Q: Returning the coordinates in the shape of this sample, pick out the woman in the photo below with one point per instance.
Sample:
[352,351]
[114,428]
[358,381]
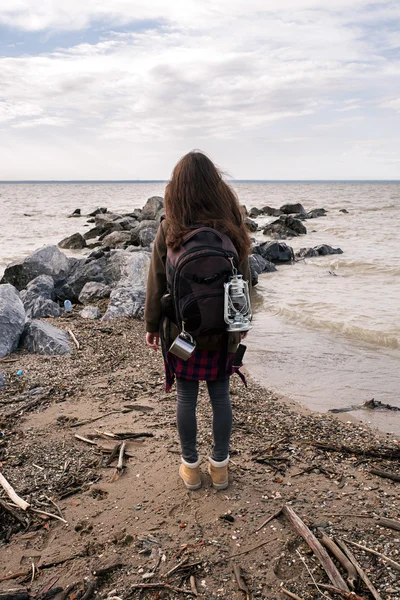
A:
[197,196]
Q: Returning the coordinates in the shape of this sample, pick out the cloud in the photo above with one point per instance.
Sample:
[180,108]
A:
[201,73]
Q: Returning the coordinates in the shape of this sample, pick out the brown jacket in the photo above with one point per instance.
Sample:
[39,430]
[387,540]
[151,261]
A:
[157,286]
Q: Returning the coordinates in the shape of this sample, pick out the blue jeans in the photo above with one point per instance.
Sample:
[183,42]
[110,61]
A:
[187,392]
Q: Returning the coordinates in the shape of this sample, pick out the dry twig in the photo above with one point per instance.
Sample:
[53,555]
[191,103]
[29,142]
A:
[391,562]
[359,570]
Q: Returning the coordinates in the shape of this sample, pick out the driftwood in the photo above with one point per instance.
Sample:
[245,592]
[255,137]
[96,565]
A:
[17,594]
[385,474]
[160,586]
[291,594]
[113,455]
[12,494]
[390,562]
[389,523]
[316,547]
[220,560]
[43,566]
[369,405]
[107,414]
[342,558]
[84,439]
[240,581]
[71,333]
[12,512]
[359,570]
[31,404]
[271,518]
[347,595]
[176,567]
[120,464]
[89,591]
[388,453]
[193,587]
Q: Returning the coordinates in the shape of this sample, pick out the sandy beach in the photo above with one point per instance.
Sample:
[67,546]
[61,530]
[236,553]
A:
[144,528]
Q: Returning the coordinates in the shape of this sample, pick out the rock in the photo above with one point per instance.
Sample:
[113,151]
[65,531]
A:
[271,212]
[258,264]
[343,210]
[76,241]
[128,297]
[251,225]
[316,212]
[324,250]
[12,319]
[276,252]
[42,338]
[254,212]
[2,381]
[152,208]
[94,291]
[306,253]
[90,312]
[126,222]
[321,250]
[98,211]
[93,233]
[87,270]
[147,236]
[40,308]
[137,238]
[76,213]
[289,209]
[47,261]
[43,286]
[104,219]
[116,239]
[285,226]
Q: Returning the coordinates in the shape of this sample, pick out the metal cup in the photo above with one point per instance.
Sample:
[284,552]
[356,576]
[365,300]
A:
[183,346]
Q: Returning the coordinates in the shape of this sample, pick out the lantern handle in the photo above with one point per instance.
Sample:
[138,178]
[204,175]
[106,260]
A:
[234,269]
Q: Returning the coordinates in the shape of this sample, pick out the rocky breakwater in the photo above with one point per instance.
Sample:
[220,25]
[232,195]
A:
[35,289]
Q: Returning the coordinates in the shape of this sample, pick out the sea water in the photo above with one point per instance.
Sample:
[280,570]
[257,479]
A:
[326,330]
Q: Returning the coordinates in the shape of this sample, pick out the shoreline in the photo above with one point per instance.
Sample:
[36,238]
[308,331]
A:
[274,461]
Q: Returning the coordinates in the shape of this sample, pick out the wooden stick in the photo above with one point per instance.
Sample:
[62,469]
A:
[347,595]
[237,570]
[12,512]
[216,562]
[342,558]
[120,464]
[385,474]
[290,594]
[176,567]
[388,453]
[193,585]
[11,493]
[113,455]
[47,514]
[83,439]
[391,562]
[71,333]
[389,523]
[160,586]
[271,518]
[107,414]
[359,570]
[316,547]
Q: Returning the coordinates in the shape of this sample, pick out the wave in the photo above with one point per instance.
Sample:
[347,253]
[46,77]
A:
[348,267]
[380,339]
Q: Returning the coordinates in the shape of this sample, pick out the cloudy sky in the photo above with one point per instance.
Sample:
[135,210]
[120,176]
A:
[270,89]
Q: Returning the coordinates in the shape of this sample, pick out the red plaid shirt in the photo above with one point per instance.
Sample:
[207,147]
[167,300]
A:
[203,365]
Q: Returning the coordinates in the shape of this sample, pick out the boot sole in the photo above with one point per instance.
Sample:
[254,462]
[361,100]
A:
[191,486]
[220,486]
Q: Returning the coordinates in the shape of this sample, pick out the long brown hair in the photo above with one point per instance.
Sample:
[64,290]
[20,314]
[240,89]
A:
[197,195]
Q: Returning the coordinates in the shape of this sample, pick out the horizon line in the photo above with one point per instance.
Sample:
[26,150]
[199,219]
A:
[54,181]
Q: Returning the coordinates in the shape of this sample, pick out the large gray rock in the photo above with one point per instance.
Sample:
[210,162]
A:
[76,241]
[128,297]
[126,222]
[12,319]
[251,225]
[90,312]
[116,239]
[136,236]
[94,291]
[258,264]
[86,270]
[42,338]
[153,206]
[276,252]
[284,227]
[38,298]
[271,212]
[297,208]
[316,212]
[47,261]
[104,219]
[93,233]
[321,250]
[147,235]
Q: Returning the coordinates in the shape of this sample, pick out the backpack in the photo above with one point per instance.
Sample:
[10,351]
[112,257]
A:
[196,273]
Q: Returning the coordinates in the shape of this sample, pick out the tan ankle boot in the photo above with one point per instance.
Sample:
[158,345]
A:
[190,473]
[219,473]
